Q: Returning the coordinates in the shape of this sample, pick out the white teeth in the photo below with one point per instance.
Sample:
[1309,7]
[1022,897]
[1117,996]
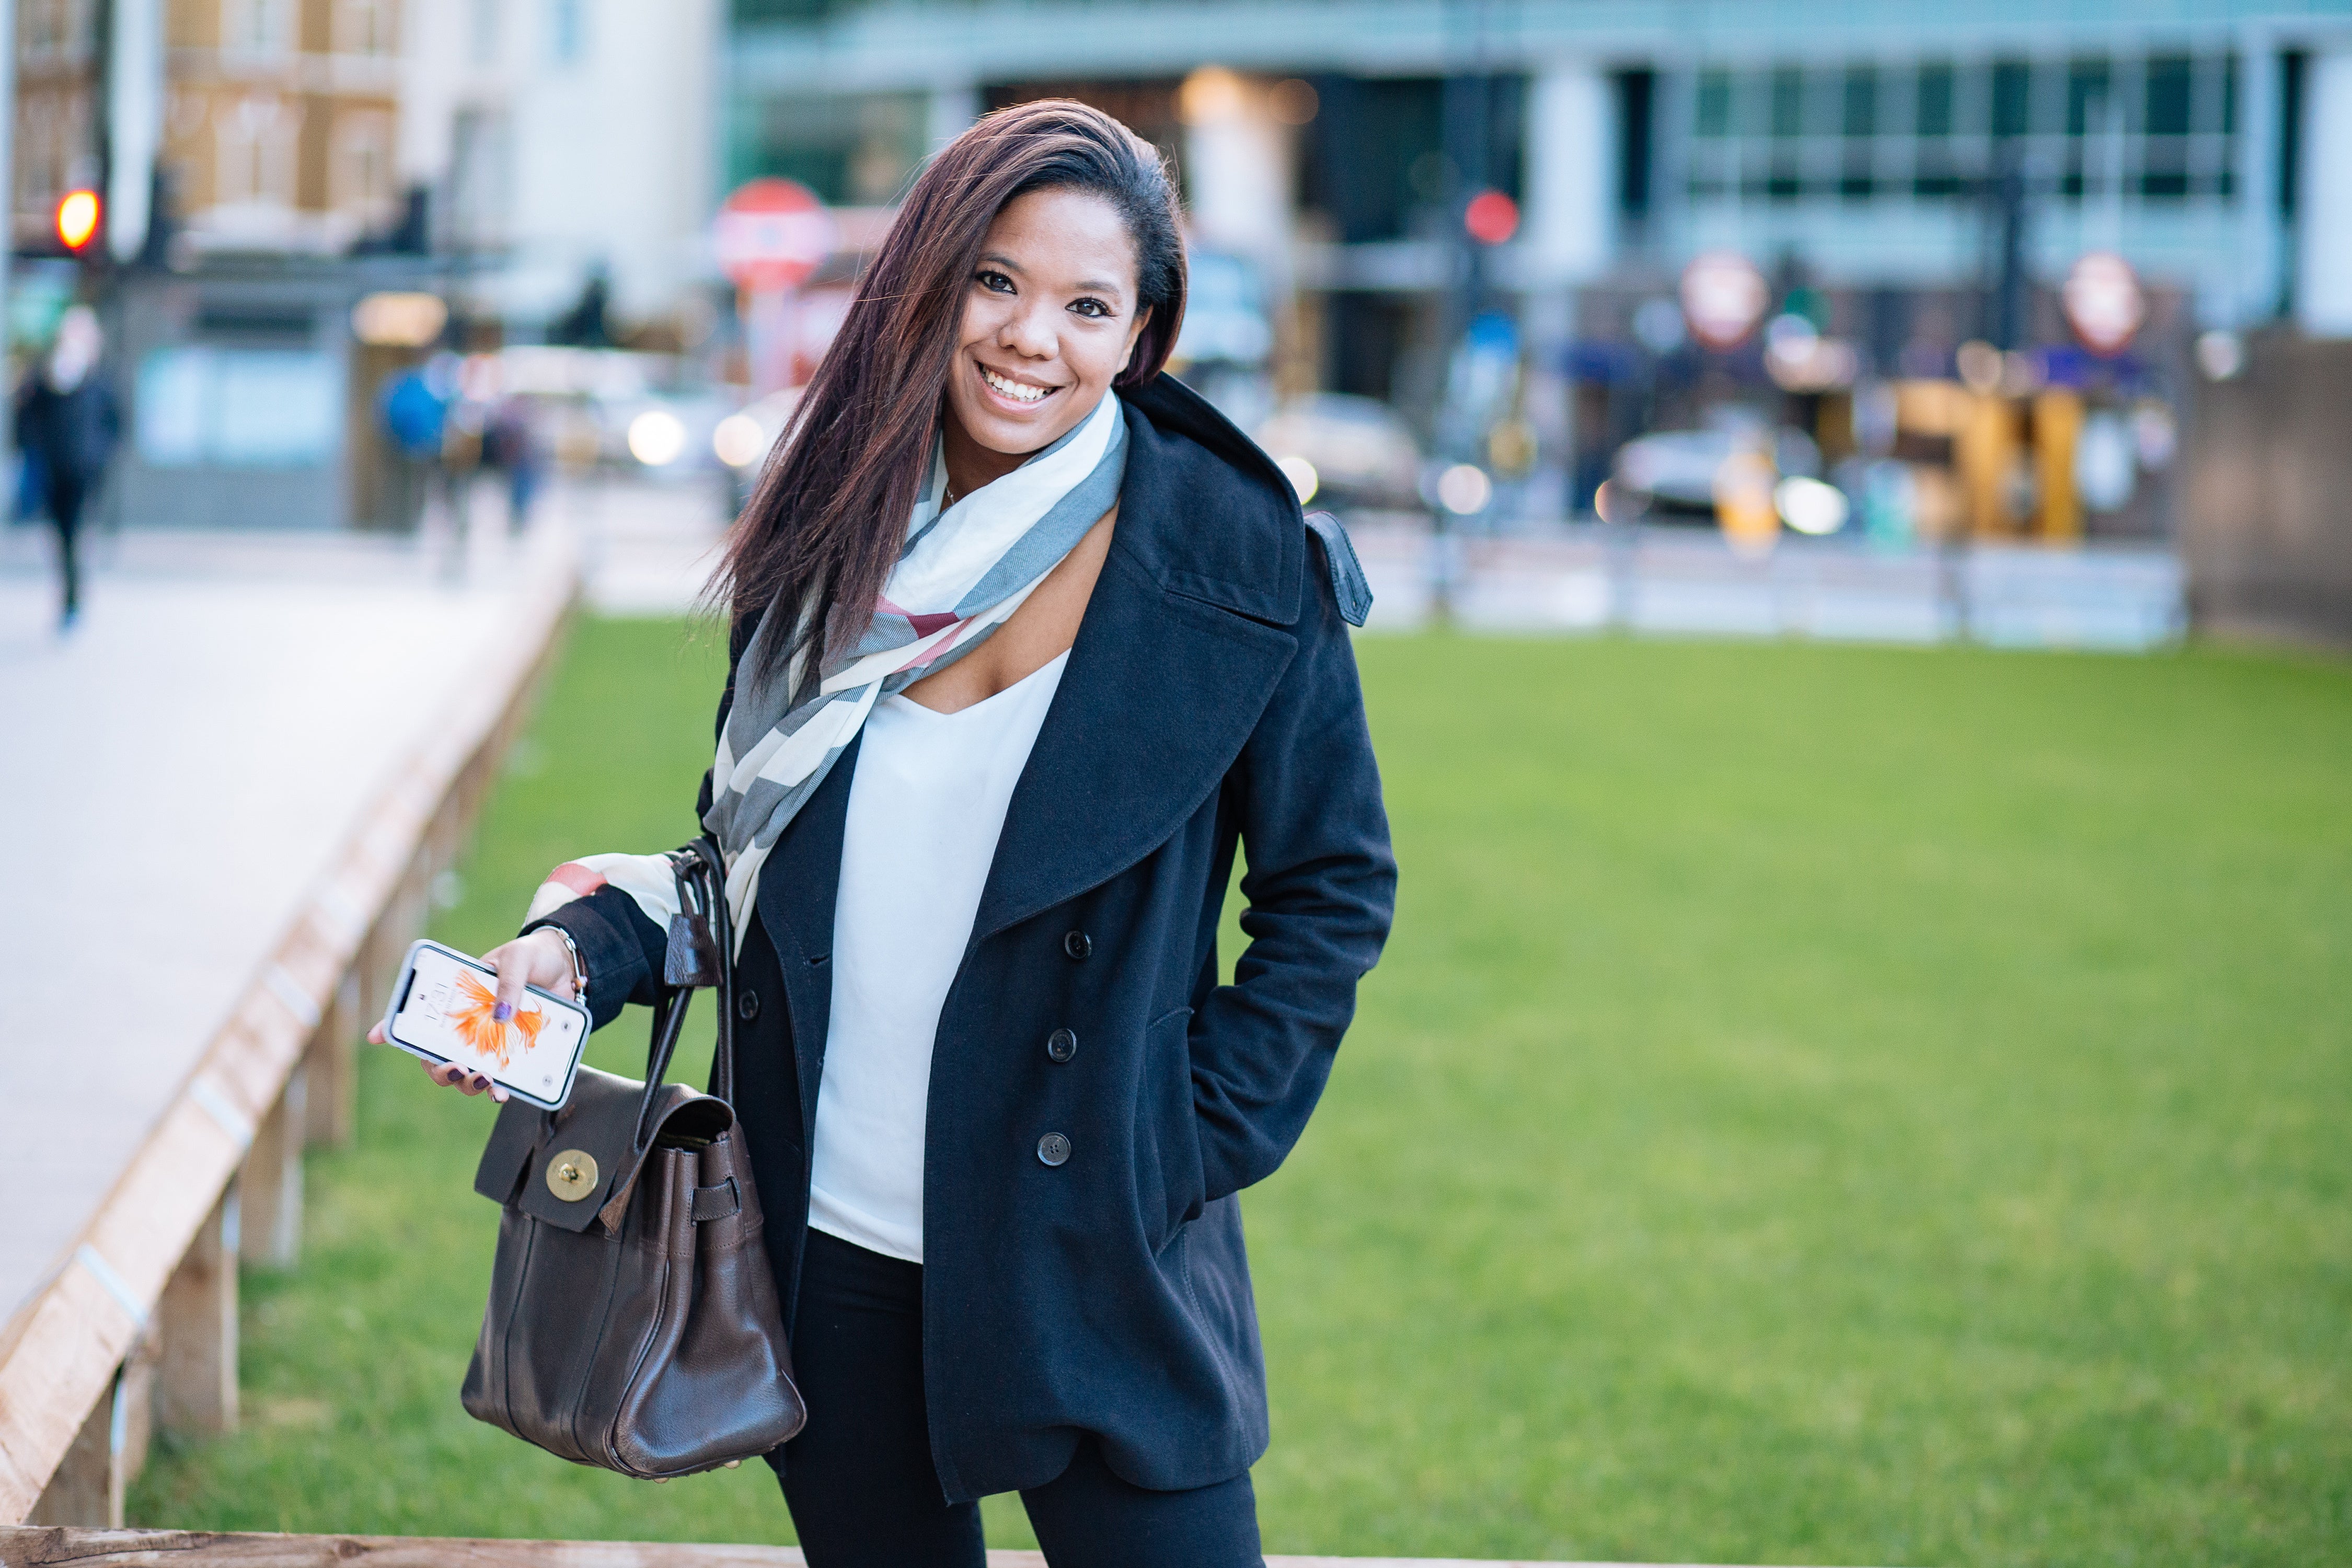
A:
[1013,389]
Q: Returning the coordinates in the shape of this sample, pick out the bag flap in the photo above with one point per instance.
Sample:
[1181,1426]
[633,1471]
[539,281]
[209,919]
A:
[513,1137]
[587,1144]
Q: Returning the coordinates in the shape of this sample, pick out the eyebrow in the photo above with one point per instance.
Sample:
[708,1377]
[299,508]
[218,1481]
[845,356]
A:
[1083,285]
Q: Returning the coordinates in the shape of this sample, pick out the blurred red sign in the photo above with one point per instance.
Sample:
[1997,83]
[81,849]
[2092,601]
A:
[1722,298]
[2105,303]
[1492,217]
[773,234]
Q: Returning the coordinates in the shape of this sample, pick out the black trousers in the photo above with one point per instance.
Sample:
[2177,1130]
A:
[859,1478]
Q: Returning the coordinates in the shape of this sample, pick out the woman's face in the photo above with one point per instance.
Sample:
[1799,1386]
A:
[1049,318]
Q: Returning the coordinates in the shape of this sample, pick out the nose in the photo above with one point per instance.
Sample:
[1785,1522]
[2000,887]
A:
[1029,331]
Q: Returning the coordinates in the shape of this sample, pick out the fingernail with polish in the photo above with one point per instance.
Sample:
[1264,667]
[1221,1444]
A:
[503,1012]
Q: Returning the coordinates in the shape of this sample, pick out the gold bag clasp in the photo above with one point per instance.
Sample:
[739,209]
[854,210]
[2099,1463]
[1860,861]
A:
[571,1175]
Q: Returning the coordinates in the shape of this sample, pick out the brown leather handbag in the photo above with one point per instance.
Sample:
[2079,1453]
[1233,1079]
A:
[632,1321]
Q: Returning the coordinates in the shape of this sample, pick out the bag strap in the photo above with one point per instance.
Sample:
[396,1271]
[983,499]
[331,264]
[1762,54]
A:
[699,952]
[722,929]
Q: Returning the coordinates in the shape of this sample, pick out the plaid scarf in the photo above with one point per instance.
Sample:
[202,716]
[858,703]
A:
[962,573]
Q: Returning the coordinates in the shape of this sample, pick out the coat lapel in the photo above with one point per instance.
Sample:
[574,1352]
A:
[1160,694]
[798,889]
[1173,663]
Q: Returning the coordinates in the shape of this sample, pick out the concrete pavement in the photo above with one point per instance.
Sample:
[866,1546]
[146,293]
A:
[174,775]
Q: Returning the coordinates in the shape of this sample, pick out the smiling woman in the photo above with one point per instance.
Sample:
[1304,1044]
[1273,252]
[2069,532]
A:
[1041,250]
[1052,315]
[1027,643]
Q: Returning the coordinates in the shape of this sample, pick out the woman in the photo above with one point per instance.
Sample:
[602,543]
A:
[1062,639]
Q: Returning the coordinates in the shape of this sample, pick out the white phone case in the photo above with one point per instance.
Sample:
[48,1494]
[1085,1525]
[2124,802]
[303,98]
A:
[443,1014]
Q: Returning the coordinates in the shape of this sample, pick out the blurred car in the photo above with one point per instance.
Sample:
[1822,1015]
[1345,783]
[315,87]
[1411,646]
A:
[1673,473]
[1354,451]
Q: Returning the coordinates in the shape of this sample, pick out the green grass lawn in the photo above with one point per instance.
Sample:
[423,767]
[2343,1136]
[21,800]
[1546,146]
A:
[1843,1106]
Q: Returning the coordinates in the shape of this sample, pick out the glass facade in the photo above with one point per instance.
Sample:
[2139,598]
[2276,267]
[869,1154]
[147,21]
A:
[2143,129]
[852,152]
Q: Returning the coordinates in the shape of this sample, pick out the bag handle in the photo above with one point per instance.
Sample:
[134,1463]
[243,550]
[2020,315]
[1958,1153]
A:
[722,926]
[700,952]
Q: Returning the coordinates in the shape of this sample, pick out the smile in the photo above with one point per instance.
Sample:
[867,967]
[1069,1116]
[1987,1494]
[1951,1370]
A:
[1019,392]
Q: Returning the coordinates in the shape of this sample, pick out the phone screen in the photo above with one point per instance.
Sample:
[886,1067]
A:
[448,1012]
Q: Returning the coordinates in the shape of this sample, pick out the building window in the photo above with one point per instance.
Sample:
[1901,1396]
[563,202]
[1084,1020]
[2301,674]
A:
[1714,103]
[1787,103]
[52,29]
[256,27]
[254,146]
[363,27]
[2144,129]
[2012,98]
[480,193]
[487,31]
[363,176]
[1859,119]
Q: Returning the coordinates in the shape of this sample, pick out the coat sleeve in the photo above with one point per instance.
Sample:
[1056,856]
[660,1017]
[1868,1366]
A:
[1320,890]
[619,947]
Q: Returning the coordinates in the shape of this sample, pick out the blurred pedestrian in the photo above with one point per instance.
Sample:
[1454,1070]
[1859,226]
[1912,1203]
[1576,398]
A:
[413,413]
[511,445]
[67,423]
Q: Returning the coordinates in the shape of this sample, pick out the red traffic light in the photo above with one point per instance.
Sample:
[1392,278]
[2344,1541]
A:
[78,218]
[1491,217]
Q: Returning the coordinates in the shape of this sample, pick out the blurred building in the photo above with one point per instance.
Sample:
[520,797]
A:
[272,124]
[567,142]
[483,171]
[1907,182]
[543,142]
[1636,136]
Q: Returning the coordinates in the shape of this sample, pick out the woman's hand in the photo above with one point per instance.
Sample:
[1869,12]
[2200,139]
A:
[538,959]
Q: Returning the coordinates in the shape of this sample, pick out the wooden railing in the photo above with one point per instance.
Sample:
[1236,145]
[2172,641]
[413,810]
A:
[185,1548]
[137,1328]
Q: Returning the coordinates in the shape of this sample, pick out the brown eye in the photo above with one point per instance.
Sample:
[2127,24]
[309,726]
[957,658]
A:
[994,282]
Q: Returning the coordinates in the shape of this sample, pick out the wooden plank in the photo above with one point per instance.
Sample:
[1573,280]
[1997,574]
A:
[91,1485]
[27,1548]
[269,1183]
[23,1548]
[59,1353]
[134,1422]
[195,1380]
[331,1067]
[80,1491]
[84,1319]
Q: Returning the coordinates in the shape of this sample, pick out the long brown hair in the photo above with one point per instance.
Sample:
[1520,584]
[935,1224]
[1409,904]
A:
[829,516]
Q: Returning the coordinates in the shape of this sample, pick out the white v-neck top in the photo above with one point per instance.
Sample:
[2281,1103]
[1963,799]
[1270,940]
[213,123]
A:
[925,807]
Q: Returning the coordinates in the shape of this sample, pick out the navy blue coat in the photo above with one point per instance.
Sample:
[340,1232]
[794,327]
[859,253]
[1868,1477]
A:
[1211,698]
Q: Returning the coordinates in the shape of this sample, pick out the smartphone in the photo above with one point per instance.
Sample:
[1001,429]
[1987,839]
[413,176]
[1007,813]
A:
[442,1008]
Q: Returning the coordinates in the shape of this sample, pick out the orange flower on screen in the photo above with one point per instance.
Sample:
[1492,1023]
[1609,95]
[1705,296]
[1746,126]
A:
[473,1018]
[528,1020]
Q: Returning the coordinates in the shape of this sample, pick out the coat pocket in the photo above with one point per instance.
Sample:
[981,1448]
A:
[1169,1187]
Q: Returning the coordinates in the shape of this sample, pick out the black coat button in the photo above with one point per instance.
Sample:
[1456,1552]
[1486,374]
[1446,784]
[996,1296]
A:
[1053,1148]
[746,1004]
[1062,1045]
[1078,945]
